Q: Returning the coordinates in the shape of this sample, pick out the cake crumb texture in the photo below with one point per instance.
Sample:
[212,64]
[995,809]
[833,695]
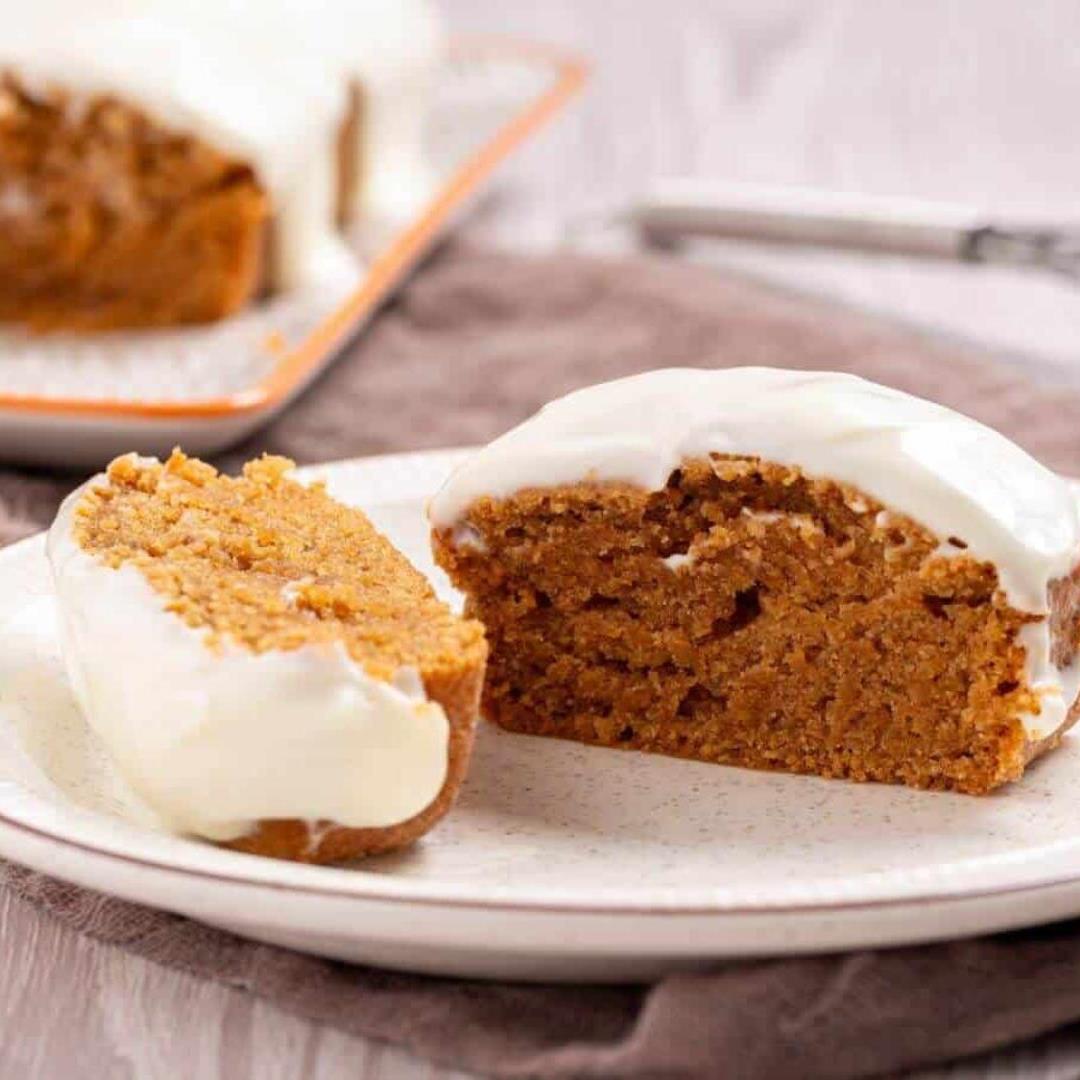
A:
[750,615]
[265,562]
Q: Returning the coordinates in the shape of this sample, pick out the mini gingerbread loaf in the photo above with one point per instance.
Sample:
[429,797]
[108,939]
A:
[168,162]
[266,670]
[783,570]
[112,219]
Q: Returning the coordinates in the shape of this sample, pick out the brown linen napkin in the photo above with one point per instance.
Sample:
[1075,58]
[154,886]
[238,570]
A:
[476,343]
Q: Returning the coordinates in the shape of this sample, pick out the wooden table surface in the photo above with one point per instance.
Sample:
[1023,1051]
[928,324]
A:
[960,99]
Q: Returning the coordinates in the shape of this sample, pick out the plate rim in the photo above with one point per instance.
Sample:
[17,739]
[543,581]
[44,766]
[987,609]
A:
[352,884]
[529,906]
[297,365]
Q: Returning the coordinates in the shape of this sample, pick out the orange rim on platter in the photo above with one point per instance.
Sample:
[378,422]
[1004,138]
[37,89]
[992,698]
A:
[296,365]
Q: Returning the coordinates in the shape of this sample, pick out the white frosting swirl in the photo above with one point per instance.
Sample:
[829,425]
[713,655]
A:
[955,476]
[213,742]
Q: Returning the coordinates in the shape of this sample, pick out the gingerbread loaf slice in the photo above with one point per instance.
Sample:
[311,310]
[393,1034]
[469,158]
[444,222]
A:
[266,670]
[782,570]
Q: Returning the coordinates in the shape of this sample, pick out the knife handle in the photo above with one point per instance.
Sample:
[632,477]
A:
[676,210]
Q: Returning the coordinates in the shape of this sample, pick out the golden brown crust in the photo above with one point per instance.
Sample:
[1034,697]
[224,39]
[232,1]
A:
[270,564]
[747,614]
[110,220]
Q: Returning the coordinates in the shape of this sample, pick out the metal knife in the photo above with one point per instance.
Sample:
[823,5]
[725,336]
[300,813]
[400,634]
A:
[675,210]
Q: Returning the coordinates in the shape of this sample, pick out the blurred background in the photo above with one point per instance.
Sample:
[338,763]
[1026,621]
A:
[972,101]
[963,100]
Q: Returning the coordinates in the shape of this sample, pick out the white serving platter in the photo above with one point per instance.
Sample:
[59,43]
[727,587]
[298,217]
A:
[560,861]
[74,400]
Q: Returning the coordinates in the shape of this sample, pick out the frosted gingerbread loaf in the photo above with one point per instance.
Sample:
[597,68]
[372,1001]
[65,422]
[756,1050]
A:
[783,570]
[263,667]
[164,163]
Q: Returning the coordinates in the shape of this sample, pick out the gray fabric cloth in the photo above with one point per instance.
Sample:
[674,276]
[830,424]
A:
[477,342]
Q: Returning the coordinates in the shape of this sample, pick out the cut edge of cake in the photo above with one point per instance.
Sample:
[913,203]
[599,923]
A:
[657,493]
[109,219]
[332,137]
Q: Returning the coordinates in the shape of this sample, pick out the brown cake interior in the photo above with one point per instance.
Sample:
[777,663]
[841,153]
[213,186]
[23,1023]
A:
[109,219]
[748,615]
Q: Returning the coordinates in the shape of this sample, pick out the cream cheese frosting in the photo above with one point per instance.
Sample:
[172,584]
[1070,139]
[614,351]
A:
[214,741]
[269,83]
[948,472]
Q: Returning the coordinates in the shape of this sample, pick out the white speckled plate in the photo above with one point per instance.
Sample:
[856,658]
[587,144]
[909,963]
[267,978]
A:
[560,861]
